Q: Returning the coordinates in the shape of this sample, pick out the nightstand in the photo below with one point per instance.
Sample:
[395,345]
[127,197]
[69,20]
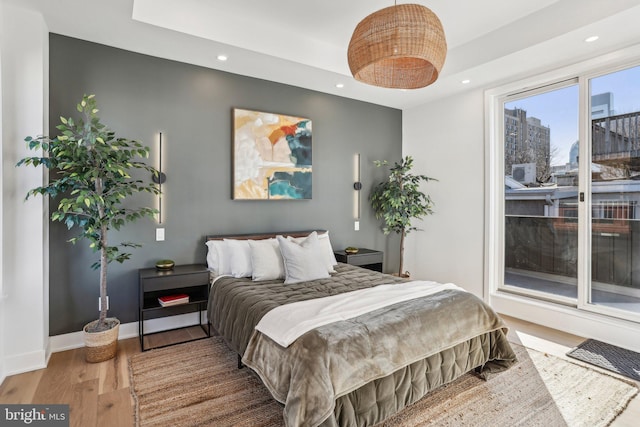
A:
[365,258]
[192,280]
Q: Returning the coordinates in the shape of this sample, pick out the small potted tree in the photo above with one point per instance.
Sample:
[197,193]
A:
[398,201]
[90,172]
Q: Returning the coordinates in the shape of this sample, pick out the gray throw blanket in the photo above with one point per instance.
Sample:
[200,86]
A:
[336,359]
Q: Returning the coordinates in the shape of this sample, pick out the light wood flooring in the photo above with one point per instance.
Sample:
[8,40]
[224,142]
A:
[99,394]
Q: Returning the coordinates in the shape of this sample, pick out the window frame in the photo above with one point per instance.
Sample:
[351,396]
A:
[494,254]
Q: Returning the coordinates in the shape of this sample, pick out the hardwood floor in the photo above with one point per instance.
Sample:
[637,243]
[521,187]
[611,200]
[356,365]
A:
[99,395]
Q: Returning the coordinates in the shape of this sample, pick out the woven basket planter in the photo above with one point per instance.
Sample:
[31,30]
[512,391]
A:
[101,346]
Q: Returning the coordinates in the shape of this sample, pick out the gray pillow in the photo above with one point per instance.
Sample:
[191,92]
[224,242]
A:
[266,260]
[304,261]
[325,244]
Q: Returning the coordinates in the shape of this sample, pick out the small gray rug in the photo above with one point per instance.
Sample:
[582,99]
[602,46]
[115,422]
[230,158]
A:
[624,362]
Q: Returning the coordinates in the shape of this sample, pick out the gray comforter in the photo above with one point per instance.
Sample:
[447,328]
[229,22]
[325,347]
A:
[331,374]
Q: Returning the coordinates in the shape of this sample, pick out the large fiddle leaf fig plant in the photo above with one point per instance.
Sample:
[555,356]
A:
[90,178]
[398,201]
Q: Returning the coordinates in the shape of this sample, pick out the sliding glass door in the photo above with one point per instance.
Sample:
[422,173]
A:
[569,159]
[614,181]
[541,192]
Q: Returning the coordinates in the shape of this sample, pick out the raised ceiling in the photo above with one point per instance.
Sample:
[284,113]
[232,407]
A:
[304,43]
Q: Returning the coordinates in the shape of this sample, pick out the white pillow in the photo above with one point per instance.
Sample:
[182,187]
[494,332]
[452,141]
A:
[326,249]
[212,255]
[216,258]
[266,260]
[239,257]
[224,259]
[325,242]
[304,261]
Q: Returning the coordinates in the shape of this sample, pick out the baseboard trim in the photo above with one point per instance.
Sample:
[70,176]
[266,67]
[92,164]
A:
[614,331]
[25,362]
[73,340]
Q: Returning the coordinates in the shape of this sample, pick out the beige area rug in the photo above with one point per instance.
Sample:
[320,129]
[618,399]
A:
[198,384]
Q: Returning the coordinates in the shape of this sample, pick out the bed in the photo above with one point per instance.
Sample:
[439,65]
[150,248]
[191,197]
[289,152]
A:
[362,369]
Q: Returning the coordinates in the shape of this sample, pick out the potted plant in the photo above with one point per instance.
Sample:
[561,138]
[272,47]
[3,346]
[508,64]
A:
[398,201]
[90,171]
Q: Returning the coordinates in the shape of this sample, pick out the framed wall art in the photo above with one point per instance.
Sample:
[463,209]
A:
[272,156]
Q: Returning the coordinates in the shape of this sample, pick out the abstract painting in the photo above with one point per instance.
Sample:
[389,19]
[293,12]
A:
[271,156]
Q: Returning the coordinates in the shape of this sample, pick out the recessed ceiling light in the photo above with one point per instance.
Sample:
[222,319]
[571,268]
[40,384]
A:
[465,81]
[222,57]
[591,39]
[340,85]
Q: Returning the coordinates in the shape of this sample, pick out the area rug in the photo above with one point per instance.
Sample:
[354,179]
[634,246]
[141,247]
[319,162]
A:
[620,360]
[198,384]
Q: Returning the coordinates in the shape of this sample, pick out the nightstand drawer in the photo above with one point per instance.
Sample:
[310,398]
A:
[366,259]
[174,281]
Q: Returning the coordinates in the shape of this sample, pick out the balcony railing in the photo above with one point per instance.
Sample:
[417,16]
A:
[616,140]
[550,245]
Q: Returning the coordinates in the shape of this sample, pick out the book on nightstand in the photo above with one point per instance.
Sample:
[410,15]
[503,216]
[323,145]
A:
[169,300]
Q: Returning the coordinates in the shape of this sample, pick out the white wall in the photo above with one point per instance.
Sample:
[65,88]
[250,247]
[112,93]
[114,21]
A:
[2,309]
[24,61]
[446,140]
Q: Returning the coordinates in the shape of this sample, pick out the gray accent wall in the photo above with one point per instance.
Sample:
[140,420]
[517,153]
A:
[140,96]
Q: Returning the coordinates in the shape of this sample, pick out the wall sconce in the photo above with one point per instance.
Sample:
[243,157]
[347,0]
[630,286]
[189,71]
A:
[159,179]
[357,185]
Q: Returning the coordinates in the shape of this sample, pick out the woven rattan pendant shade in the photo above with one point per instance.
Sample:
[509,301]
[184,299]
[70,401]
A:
[400,47]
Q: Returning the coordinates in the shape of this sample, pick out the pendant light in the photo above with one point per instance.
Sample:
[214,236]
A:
[400,47]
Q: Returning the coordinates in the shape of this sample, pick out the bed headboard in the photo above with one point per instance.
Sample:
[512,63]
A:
[262,236]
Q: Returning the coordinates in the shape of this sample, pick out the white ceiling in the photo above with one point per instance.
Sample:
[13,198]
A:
[304,43]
